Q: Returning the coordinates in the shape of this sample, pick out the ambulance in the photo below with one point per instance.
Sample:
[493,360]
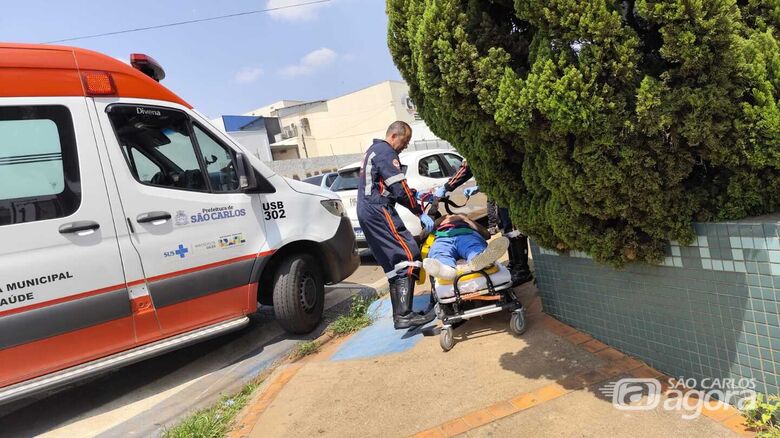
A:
[130,226]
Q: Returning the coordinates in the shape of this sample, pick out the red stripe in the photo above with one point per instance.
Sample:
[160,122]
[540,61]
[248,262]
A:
[33,359]
[458,174]
[412,201]
[398,237]
[36,358]
[133,283]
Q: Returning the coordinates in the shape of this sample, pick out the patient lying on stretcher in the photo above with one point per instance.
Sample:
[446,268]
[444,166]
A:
[459,239]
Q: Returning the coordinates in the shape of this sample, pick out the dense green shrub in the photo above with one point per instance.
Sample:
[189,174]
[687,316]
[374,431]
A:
[605,126]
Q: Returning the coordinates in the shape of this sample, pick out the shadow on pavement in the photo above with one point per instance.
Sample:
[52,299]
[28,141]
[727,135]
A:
[567,364]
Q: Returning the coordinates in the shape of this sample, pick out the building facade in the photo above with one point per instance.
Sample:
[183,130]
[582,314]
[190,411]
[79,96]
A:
[301,139]
[255,133]
[346,124]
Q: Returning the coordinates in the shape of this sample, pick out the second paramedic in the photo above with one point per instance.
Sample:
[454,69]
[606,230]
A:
[518,243]
[381,185]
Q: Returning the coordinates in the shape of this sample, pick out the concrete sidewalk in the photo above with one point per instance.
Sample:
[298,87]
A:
[382,382]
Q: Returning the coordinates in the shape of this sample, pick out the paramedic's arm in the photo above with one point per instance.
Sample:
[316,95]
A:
[461,176]
[395,183]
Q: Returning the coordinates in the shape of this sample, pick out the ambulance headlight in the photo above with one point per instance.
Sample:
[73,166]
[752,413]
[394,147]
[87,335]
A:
[334,206]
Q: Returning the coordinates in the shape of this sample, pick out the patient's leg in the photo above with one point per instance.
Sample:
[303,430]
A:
[439,269]
[441,258]
[480,254]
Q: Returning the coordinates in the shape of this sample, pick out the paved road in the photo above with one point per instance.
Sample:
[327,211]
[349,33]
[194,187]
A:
[141,399]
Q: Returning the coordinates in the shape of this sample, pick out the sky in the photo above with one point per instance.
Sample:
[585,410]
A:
[228,66]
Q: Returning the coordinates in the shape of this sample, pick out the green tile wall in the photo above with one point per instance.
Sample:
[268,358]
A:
[711,310]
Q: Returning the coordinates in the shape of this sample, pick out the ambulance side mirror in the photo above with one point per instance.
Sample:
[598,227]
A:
[246,174]
[249,180]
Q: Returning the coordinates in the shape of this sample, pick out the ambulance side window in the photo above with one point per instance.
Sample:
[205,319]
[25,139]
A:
[158,140]
[144,166]
[39,172]
[219,162]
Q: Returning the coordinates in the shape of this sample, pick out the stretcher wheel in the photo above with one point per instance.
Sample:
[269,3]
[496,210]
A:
[438,311]
[446,339]
[517,323]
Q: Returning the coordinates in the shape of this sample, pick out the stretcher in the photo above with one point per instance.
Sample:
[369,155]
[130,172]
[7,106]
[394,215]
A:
[473,294]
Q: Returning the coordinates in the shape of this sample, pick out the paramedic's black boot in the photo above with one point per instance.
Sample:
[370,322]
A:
[401,295]
[518,259]
[492,214]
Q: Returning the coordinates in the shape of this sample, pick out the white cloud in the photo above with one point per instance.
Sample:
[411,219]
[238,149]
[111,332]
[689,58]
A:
[299,13]
[248,74]
[310,63]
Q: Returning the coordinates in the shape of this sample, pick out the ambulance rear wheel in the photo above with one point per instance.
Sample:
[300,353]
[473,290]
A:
[299,294]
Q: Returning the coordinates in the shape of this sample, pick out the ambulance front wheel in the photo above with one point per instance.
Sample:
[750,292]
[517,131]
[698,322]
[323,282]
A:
[299,294]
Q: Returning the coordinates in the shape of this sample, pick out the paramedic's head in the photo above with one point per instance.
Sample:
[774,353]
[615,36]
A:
[398,135]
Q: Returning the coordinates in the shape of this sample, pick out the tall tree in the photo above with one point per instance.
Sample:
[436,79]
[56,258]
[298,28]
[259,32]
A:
[605,126]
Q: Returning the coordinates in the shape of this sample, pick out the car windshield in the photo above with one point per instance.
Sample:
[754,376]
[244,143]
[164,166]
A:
[348,179]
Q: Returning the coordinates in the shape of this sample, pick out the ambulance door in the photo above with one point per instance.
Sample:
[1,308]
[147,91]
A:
[197,234]
[63,298]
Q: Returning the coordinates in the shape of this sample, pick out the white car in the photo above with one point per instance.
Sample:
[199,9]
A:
[425,170]
[325,180]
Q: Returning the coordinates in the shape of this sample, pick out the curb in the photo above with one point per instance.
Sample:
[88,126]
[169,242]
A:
[381,287]
[281,373]
[246,420]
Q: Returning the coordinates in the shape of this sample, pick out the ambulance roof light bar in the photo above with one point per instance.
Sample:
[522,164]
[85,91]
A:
[147,65]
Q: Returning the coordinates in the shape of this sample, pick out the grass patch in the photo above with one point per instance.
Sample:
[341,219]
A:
[214,421]
[306,348]
[356,319]
[763,415]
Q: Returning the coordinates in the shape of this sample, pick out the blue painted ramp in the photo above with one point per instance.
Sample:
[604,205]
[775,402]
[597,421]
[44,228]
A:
[381,337]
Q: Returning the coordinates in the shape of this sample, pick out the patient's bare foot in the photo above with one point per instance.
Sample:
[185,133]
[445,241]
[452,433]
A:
[439,269]
[495,249]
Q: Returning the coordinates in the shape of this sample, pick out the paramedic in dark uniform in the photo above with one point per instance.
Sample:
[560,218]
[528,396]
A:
[518,243]
[381,186]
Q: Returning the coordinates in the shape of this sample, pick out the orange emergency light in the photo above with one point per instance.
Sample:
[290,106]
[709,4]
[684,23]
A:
[98,83]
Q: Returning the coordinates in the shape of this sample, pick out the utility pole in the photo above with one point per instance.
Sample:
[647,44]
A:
[303,140]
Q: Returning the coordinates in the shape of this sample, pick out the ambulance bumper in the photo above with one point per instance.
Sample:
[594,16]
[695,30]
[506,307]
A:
[341,253]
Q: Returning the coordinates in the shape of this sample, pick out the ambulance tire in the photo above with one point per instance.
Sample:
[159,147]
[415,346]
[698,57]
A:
[299,294]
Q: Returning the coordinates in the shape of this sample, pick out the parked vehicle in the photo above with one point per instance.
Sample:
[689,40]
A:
[325,180]
[424,171]
[131,226]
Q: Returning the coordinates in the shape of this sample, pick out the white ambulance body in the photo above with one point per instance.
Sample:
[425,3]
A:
[130,226]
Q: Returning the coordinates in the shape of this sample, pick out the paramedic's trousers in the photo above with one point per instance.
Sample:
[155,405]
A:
[390,242]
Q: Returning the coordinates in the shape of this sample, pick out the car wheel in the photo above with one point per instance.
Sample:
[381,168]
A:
[299,294]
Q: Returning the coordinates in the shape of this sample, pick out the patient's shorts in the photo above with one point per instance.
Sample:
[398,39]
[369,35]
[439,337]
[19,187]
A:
[448,250]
